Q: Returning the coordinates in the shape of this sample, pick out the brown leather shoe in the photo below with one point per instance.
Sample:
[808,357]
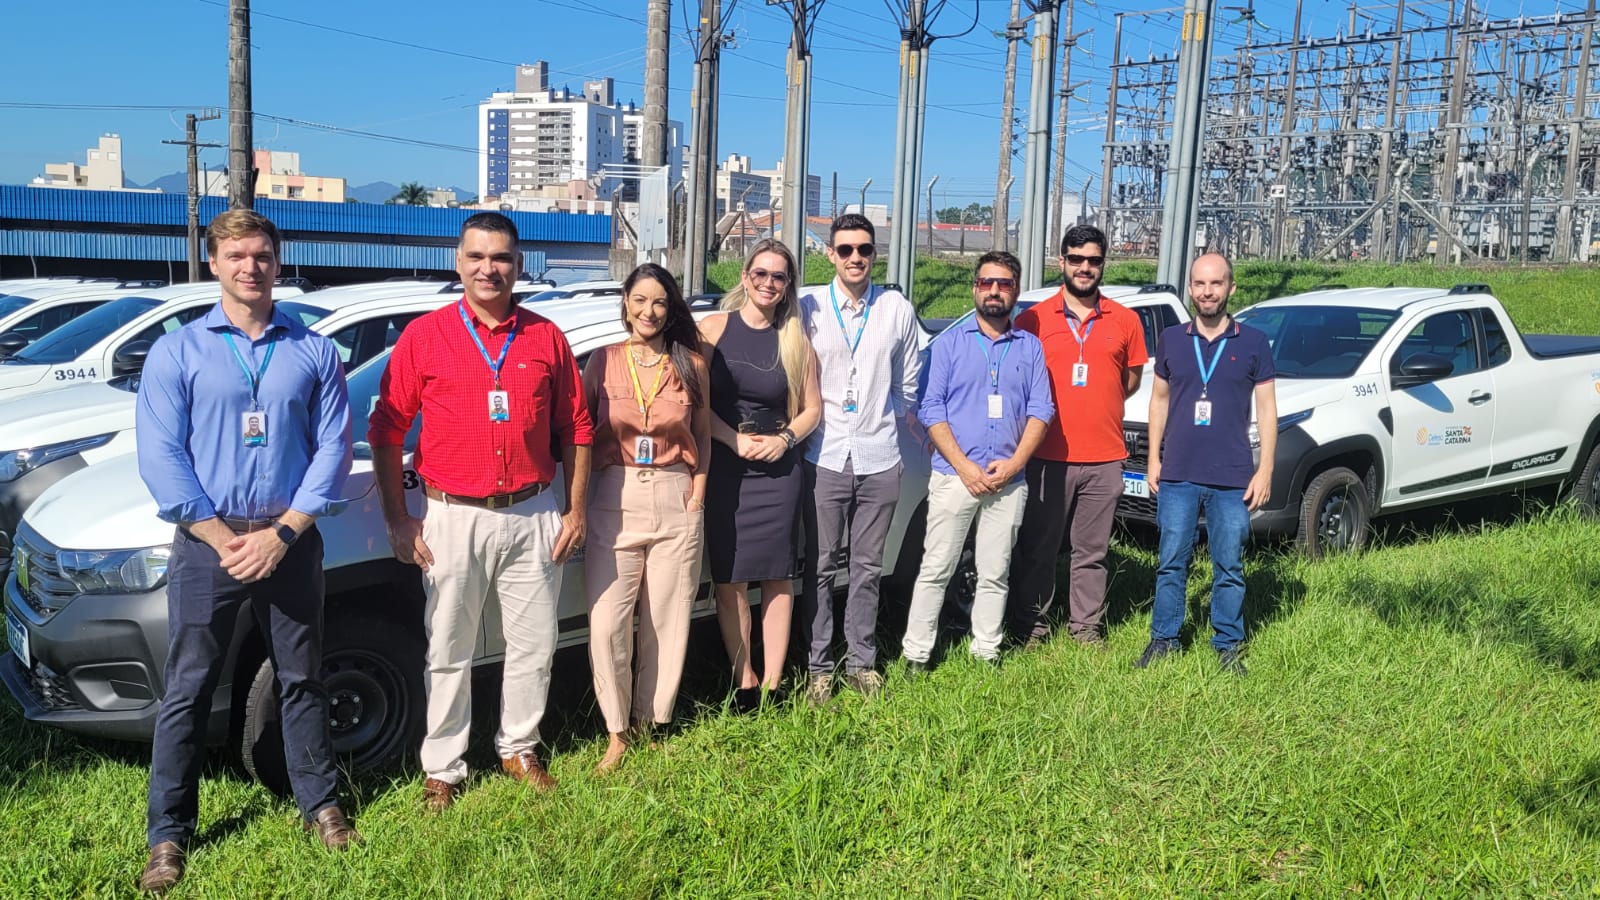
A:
[526,768]
[164,869]
[333,829]
[438,795]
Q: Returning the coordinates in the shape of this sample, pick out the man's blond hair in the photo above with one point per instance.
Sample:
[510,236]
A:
[238,223]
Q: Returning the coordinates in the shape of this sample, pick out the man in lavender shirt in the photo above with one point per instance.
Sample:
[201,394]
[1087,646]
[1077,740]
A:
[986,409]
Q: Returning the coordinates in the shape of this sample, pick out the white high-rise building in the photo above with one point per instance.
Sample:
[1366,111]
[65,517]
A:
[536,137]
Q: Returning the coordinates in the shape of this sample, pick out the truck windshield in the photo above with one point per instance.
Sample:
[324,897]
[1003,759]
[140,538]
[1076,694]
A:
[73,339]
[1318,341]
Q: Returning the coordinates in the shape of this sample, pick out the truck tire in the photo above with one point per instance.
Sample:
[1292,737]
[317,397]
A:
[1587,487]
[1335,514]
[372,671]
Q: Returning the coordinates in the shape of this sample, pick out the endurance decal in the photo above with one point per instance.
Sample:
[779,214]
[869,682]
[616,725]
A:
[1529,462]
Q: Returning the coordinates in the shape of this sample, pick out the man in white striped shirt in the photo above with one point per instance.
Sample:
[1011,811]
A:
[866,343]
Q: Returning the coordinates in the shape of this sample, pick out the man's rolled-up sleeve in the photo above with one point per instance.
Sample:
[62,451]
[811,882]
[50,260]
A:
[161,435]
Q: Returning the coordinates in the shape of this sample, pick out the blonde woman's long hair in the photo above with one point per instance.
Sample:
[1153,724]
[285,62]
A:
[794,350]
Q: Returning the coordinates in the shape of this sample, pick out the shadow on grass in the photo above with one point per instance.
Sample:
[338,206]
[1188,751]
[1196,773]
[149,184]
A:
[1570,798]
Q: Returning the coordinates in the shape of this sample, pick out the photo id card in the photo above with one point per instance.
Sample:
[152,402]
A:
[1202,412]
[850,400]
[253,428]
[644,451]
[499,406]
[996,406]
[1080,375]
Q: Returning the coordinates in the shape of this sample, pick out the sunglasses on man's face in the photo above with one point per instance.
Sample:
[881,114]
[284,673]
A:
[1078,259]
[1005,284]
[845,251]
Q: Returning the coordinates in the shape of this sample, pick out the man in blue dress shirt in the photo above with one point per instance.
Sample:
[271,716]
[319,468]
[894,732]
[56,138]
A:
[986,409]
[244,440]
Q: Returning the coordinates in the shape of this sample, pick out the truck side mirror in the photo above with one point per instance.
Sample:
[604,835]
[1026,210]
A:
[130,359]
[1420,368]
[11,342]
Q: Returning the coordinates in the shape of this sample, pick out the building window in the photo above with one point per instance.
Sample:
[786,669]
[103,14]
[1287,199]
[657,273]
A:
[277,189]
[297,193]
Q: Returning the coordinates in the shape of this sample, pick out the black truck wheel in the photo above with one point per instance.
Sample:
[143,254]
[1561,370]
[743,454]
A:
[372,670]
[1335,514]
[1587,488]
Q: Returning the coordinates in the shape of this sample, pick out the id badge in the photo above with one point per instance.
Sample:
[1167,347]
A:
[996,406]
[1202,412]
[499,406]
[253,428]
[850,400]
[644,451]
[1080,375]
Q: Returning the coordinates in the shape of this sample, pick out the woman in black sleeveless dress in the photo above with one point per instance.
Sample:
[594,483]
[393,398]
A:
[765,400]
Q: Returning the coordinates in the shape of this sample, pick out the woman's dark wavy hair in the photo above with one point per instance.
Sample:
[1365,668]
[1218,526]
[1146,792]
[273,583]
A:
[680,335]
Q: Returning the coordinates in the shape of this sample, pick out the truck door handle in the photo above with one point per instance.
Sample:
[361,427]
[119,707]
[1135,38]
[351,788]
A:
[1480,399]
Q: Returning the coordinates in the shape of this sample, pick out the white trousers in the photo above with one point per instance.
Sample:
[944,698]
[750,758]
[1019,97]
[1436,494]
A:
[951,510]
[488,556]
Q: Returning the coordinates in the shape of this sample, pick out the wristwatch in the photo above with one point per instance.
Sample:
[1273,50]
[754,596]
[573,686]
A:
[286,534]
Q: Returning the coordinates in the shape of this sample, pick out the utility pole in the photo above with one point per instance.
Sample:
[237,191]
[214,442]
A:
[1036,163]
[191,140]
[653,151]
[241,178]
[1280,204]
[1109,159]
[835,213]
[1386,234]
[1001,222]
[1179,206]
[1452,135]
[1058,184]
[703,169]
[1569,184]
[901,267]
[931,183]
[797,152]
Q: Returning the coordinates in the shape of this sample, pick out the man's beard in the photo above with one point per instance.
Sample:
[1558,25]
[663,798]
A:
[1092,291]
[993,309]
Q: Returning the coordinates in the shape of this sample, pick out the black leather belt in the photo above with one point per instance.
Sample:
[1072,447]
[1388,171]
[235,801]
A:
[494,501]
[246,526]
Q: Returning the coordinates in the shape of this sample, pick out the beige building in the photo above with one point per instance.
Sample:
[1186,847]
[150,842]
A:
[102,170]
[279,178]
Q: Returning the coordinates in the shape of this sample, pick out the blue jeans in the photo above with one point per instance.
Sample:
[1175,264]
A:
[1178,506]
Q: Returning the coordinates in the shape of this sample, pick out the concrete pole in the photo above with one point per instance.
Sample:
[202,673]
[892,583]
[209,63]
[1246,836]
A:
[1280,240]
[1569,184]
[917,137]
[1058,183]
[1384,232]
[1108,161]
[1179,212]
[1452,136]
[1001,220]
[191,137]
[653,136]
[902,154]
[796,162]
[1036,165]
[241,183]
[702,176]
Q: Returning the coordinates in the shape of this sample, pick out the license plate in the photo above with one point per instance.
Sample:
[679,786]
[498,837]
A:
[1134,485]
[17,638]
[19,561]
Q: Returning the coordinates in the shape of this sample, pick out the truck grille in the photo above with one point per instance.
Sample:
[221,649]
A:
[51,689]
[41,586]
[1138,440]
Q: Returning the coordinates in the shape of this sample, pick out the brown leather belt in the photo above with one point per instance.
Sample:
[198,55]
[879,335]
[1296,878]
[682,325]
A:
[495,501]
[246,526]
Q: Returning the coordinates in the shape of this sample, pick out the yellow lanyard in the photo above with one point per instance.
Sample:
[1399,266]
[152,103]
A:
[639,395]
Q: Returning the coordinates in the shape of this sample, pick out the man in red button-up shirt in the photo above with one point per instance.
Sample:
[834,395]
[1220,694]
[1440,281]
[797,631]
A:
[496,386]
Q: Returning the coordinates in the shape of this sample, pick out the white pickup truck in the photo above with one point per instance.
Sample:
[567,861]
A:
[85,604]
[1392,399]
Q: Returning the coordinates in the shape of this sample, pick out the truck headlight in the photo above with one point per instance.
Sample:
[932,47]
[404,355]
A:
[17,463]
[1284,424]
[115,571]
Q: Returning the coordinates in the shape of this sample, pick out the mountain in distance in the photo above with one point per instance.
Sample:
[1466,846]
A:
[176,183]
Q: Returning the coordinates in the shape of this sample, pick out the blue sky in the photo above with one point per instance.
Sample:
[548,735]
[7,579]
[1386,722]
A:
[346,64]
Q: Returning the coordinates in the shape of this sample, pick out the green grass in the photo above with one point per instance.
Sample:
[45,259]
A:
[1547,299]
[1419,720]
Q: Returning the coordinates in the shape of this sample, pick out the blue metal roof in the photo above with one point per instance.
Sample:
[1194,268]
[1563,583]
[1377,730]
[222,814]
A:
[166,248]
[136,208]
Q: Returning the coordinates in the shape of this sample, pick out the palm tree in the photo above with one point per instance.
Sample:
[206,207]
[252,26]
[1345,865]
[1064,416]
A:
[411,193]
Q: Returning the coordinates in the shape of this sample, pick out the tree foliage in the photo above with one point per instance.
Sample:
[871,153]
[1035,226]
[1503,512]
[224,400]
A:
[974,214]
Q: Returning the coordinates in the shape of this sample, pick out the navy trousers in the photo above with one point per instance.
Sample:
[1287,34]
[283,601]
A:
[203,607]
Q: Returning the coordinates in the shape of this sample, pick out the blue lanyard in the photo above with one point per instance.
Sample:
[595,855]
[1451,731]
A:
[1205,370]
[494,365]
[866,299]
[994,368]
[253,378]
[1088,329]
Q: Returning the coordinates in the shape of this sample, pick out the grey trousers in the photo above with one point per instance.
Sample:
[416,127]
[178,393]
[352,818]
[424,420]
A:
[1076,501]
[860,508]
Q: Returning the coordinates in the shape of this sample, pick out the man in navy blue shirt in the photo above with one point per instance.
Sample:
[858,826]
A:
[244,440]
[1208,372]
[986,408]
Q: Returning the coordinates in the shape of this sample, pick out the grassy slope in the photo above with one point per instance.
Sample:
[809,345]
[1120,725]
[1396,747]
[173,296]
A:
[1418,721]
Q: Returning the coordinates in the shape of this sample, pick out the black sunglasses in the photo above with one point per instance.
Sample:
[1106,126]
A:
[1078,259]
[1004,284]
[845,251]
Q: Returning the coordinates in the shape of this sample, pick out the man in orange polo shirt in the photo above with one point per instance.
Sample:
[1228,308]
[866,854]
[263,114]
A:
[1094,348]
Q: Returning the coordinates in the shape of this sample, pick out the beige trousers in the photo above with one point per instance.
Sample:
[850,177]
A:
[644,556]
[488,556]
